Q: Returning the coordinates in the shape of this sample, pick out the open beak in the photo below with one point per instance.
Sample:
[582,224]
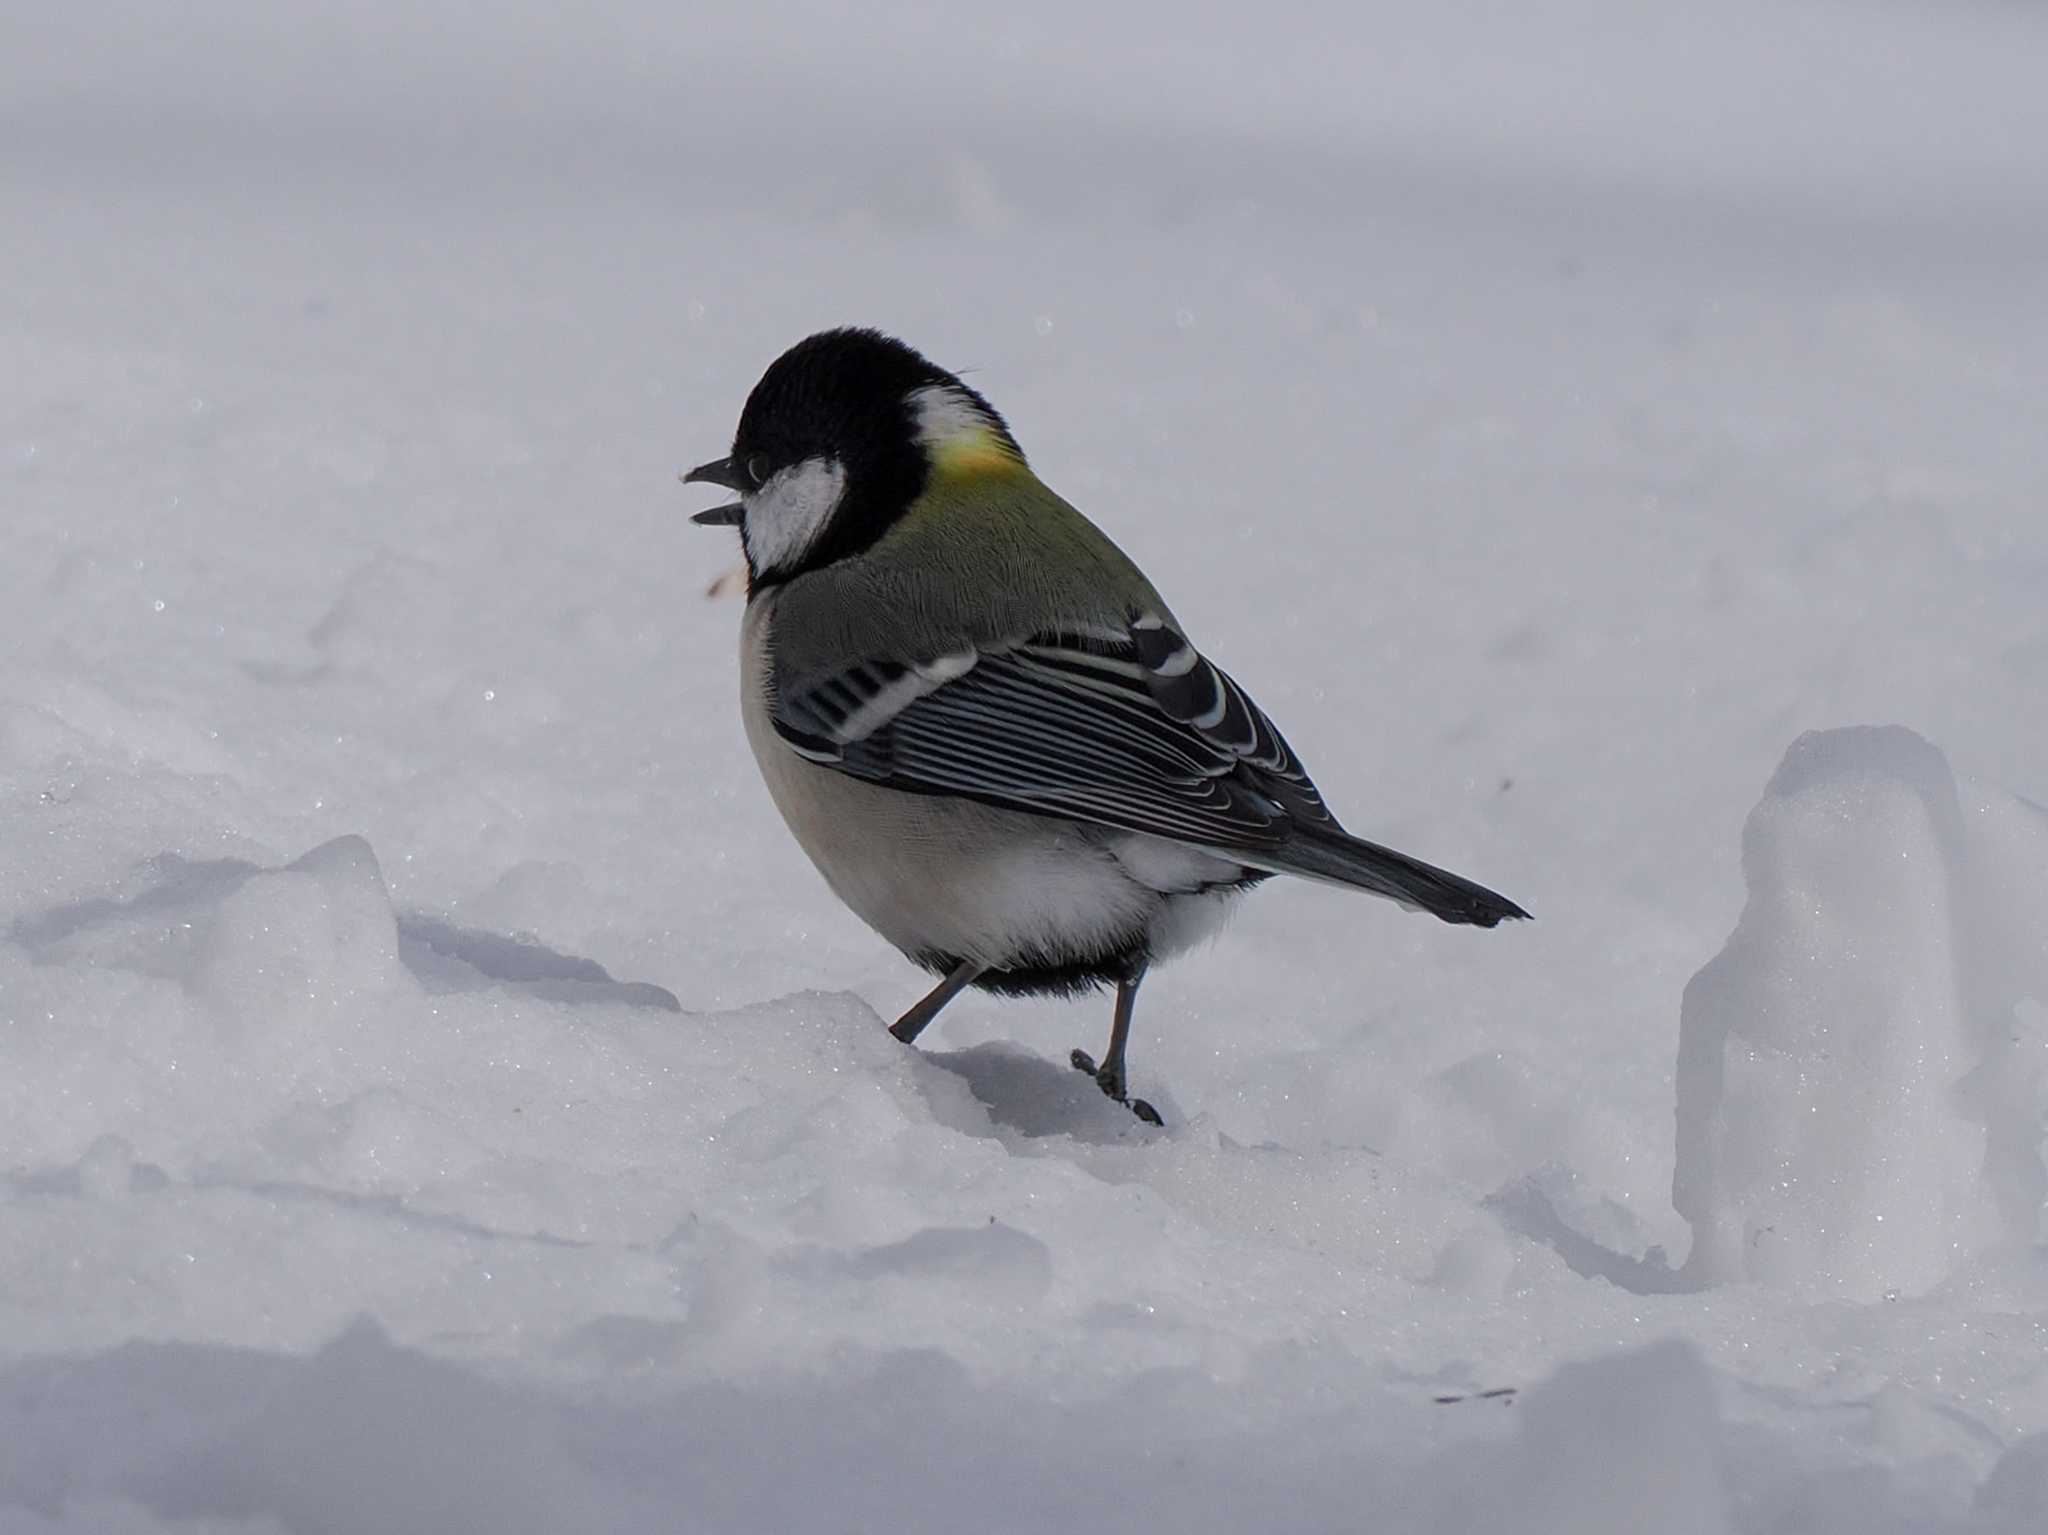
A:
[720,472]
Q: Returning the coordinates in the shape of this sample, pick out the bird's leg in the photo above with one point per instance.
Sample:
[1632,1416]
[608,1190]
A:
[1109,1076]
[912,1023]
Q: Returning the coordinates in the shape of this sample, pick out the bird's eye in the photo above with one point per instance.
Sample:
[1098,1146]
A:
[757,469]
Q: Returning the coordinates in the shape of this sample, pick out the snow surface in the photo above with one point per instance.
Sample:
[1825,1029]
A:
[436,1094]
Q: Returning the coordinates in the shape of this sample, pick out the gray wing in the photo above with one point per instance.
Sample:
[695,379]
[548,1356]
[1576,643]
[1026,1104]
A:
[1128,728]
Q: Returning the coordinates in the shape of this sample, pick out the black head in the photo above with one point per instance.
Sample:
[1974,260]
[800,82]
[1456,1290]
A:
[838,439]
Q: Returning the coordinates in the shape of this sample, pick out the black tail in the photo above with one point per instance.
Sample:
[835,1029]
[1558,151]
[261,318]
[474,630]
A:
[1345,860]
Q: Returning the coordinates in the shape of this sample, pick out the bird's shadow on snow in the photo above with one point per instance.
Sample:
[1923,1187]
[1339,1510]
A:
[1035,1097]
[442,956]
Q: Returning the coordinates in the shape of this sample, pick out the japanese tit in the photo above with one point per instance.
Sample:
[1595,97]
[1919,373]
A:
[987,730]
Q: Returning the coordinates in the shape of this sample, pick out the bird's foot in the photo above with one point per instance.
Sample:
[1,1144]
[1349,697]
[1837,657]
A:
[1111,1080]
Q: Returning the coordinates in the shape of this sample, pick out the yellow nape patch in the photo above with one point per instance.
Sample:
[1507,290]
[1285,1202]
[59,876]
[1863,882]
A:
[958,434]
[976,450]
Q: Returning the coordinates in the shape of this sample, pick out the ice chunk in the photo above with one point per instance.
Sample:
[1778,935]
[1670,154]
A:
[2007,840]
[1828,1133]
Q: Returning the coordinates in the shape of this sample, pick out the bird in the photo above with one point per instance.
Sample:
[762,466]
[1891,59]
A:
[981,721]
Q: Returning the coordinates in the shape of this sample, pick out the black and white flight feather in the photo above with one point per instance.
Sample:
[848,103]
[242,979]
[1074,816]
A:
[1133,730]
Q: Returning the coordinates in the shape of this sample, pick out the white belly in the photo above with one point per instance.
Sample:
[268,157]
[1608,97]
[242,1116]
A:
[938,876]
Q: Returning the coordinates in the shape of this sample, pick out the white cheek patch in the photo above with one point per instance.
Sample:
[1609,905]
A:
[786,515]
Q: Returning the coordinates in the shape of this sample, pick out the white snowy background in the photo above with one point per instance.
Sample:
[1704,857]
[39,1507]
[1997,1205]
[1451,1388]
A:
[435,1094]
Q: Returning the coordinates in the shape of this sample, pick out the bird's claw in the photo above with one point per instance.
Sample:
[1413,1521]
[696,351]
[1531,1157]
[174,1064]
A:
[1112,1084]
[1108,1078]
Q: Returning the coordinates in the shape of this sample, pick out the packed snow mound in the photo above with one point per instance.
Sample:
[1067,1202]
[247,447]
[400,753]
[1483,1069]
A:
[1861,1083]
[365,1436]
[1615,1446]
[358,1110]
